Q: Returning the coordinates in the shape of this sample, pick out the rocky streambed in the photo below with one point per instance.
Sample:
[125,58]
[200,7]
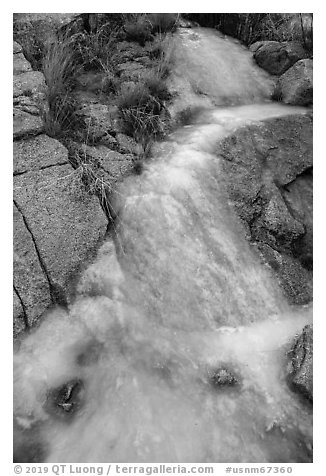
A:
[185,337]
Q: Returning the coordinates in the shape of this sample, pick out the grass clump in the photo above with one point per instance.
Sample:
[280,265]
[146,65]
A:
[98,50]
[60,68]
[142,108]
[140,112]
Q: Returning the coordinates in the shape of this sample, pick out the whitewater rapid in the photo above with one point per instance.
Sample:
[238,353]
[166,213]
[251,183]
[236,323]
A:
[174,294]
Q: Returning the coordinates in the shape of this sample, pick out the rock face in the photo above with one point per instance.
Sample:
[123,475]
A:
[295,86]
[300,367]
[56,223]
[277,57]
[268,169]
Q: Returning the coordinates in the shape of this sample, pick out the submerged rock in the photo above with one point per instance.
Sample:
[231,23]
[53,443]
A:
[277,57]
[64,401]
[295,86]
[300,367]
[223,377]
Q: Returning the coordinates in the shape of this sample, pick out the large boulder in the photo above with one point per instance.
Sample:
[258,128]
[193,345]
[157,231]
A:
[295,86]
[57,225]
[268,171]
[300,366]
[277,57]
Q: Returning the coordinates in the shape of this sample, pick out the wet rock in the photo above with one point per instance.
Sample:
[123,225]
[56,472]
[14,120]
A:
[300,367]
[268,172]
[63,402]
[295,86]
[299,199]
[293,277]
[277,57]
[276,225]
[223,377]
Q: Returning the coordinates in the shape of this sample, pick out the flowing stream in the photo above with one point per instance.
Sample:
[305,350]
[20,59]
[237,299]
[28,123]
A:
[174,296]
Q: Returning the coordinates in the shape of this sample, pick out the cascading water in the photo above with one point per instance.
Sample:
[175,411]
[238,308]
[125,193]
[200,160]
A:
[174,299]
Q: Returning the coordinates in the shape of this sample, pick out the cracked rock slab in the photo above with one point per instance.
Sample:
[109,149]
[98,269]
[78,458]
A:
[26,124]
[19,323]
[30,281]
[66,223]
[38,153]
